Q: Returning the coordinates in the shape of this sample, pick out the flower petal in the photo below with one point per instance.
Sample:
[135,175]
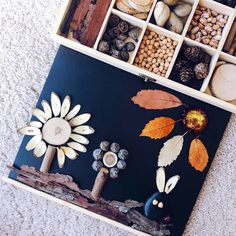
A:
[65,107]
[40,149]
[28,130]
[33,142]
[47,109]
[84,129]
[56,104]
[36,124]
[73,112]
[79,120]
[70,152]
[79,138]
[77,146]
[40,115]
[60,157]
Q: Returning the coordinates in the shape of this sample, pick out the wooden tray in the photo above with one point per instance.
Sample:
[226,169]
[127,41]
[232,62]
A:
[217,54]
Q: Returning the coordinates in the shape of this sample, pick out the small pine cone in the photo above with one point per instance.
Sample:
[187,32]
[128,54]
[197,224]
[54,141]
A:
[201,70]
[194,54]
[180,64]
[186,74]
[206,58]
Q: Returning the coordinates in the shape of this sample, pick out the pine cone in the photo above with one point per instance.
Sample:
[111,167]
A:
[180,64]
[201,70]
[194,54]
[186,74]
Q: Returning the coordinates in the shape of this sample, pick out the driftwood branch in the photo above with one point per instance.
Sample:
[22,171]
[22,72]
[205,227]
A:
[63,187]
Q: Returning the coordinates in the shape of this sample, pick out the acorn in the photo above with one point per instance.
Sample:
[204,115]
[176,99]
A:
[114,32]
[195,120]
[119,44]
[98,154]
[123,154]
[129,46]
[104,145]
[103,46]
[114,20]
[123,26]
[115,147]
[124,55]
[122,37]
[114,172]
[114,53]
[134,33]
[97,165]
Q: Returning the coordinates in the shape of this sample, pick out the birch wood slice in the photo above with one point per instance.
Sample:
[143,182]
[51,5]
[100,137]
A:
[56,131]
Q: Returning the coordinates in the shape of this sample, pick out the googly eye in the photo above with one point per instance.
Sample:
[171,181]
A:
[160,205]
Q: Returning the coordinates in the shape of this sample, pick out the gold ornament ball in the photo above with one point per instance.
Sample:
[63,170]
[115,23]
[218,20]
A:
[195,120]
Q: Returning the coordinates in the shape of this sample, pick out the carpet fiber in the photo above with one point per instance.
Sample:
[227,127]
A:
[26,54]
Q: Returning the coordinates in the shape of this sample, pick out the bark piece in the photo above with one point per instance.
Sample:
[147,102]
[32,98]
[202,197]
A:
[88,19]
[63,187]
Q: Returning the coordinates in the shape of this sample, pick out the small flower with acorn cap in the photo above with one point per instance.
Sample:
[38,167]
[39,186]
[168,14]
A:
[109,160]
[194,120]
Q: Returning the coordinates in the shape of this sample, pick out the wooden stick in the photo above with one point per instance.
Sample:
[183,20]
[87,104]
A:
[47,160]
[230,38]
[99,183]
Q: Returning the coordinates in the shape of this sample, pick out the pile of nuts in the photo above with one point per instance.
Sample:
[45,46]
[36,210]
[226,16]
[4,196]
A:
[155,53]
[207,26]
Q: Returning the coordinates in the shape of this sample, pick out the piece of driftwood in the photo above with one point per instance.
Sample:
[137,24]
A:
[63,187]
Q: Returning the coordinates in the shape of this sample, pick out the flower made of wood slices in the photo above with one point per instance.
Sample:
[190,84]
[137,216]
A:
[109,160]
[59,129]
[194,120]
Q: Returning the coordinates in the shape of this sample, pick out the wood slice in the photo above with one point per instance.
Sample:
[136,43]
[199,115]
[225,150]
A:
[56,131]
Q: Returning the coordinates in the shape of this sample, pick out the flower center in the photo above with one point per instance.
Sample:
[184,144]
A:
[195,120]
[56,131]
[110,159]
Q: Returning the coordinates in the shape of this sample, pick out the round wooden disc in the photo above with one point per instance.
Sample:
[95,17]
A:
[56,131]
[110,159]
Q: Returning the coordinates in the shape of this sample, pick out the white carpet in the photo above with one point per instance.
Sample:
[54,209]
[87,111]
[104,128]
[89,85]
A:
[26,54]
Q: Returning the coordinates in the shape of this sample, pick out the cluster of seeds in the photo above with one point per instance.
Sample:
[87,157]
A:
[207,26]
[155,53]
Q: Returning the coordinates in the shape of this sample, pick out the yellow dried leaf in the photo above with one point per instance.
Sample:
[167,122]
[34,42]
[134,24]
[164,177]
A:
[158,128]
[198,155]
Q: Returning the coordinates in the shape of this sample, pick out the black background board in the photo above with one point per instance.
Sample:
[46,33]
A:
[105,92]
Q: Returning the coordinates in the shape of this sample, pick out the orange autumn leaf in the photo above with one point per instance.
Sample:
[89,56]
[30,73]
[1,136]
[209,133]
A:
[198,155]
[158,128]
